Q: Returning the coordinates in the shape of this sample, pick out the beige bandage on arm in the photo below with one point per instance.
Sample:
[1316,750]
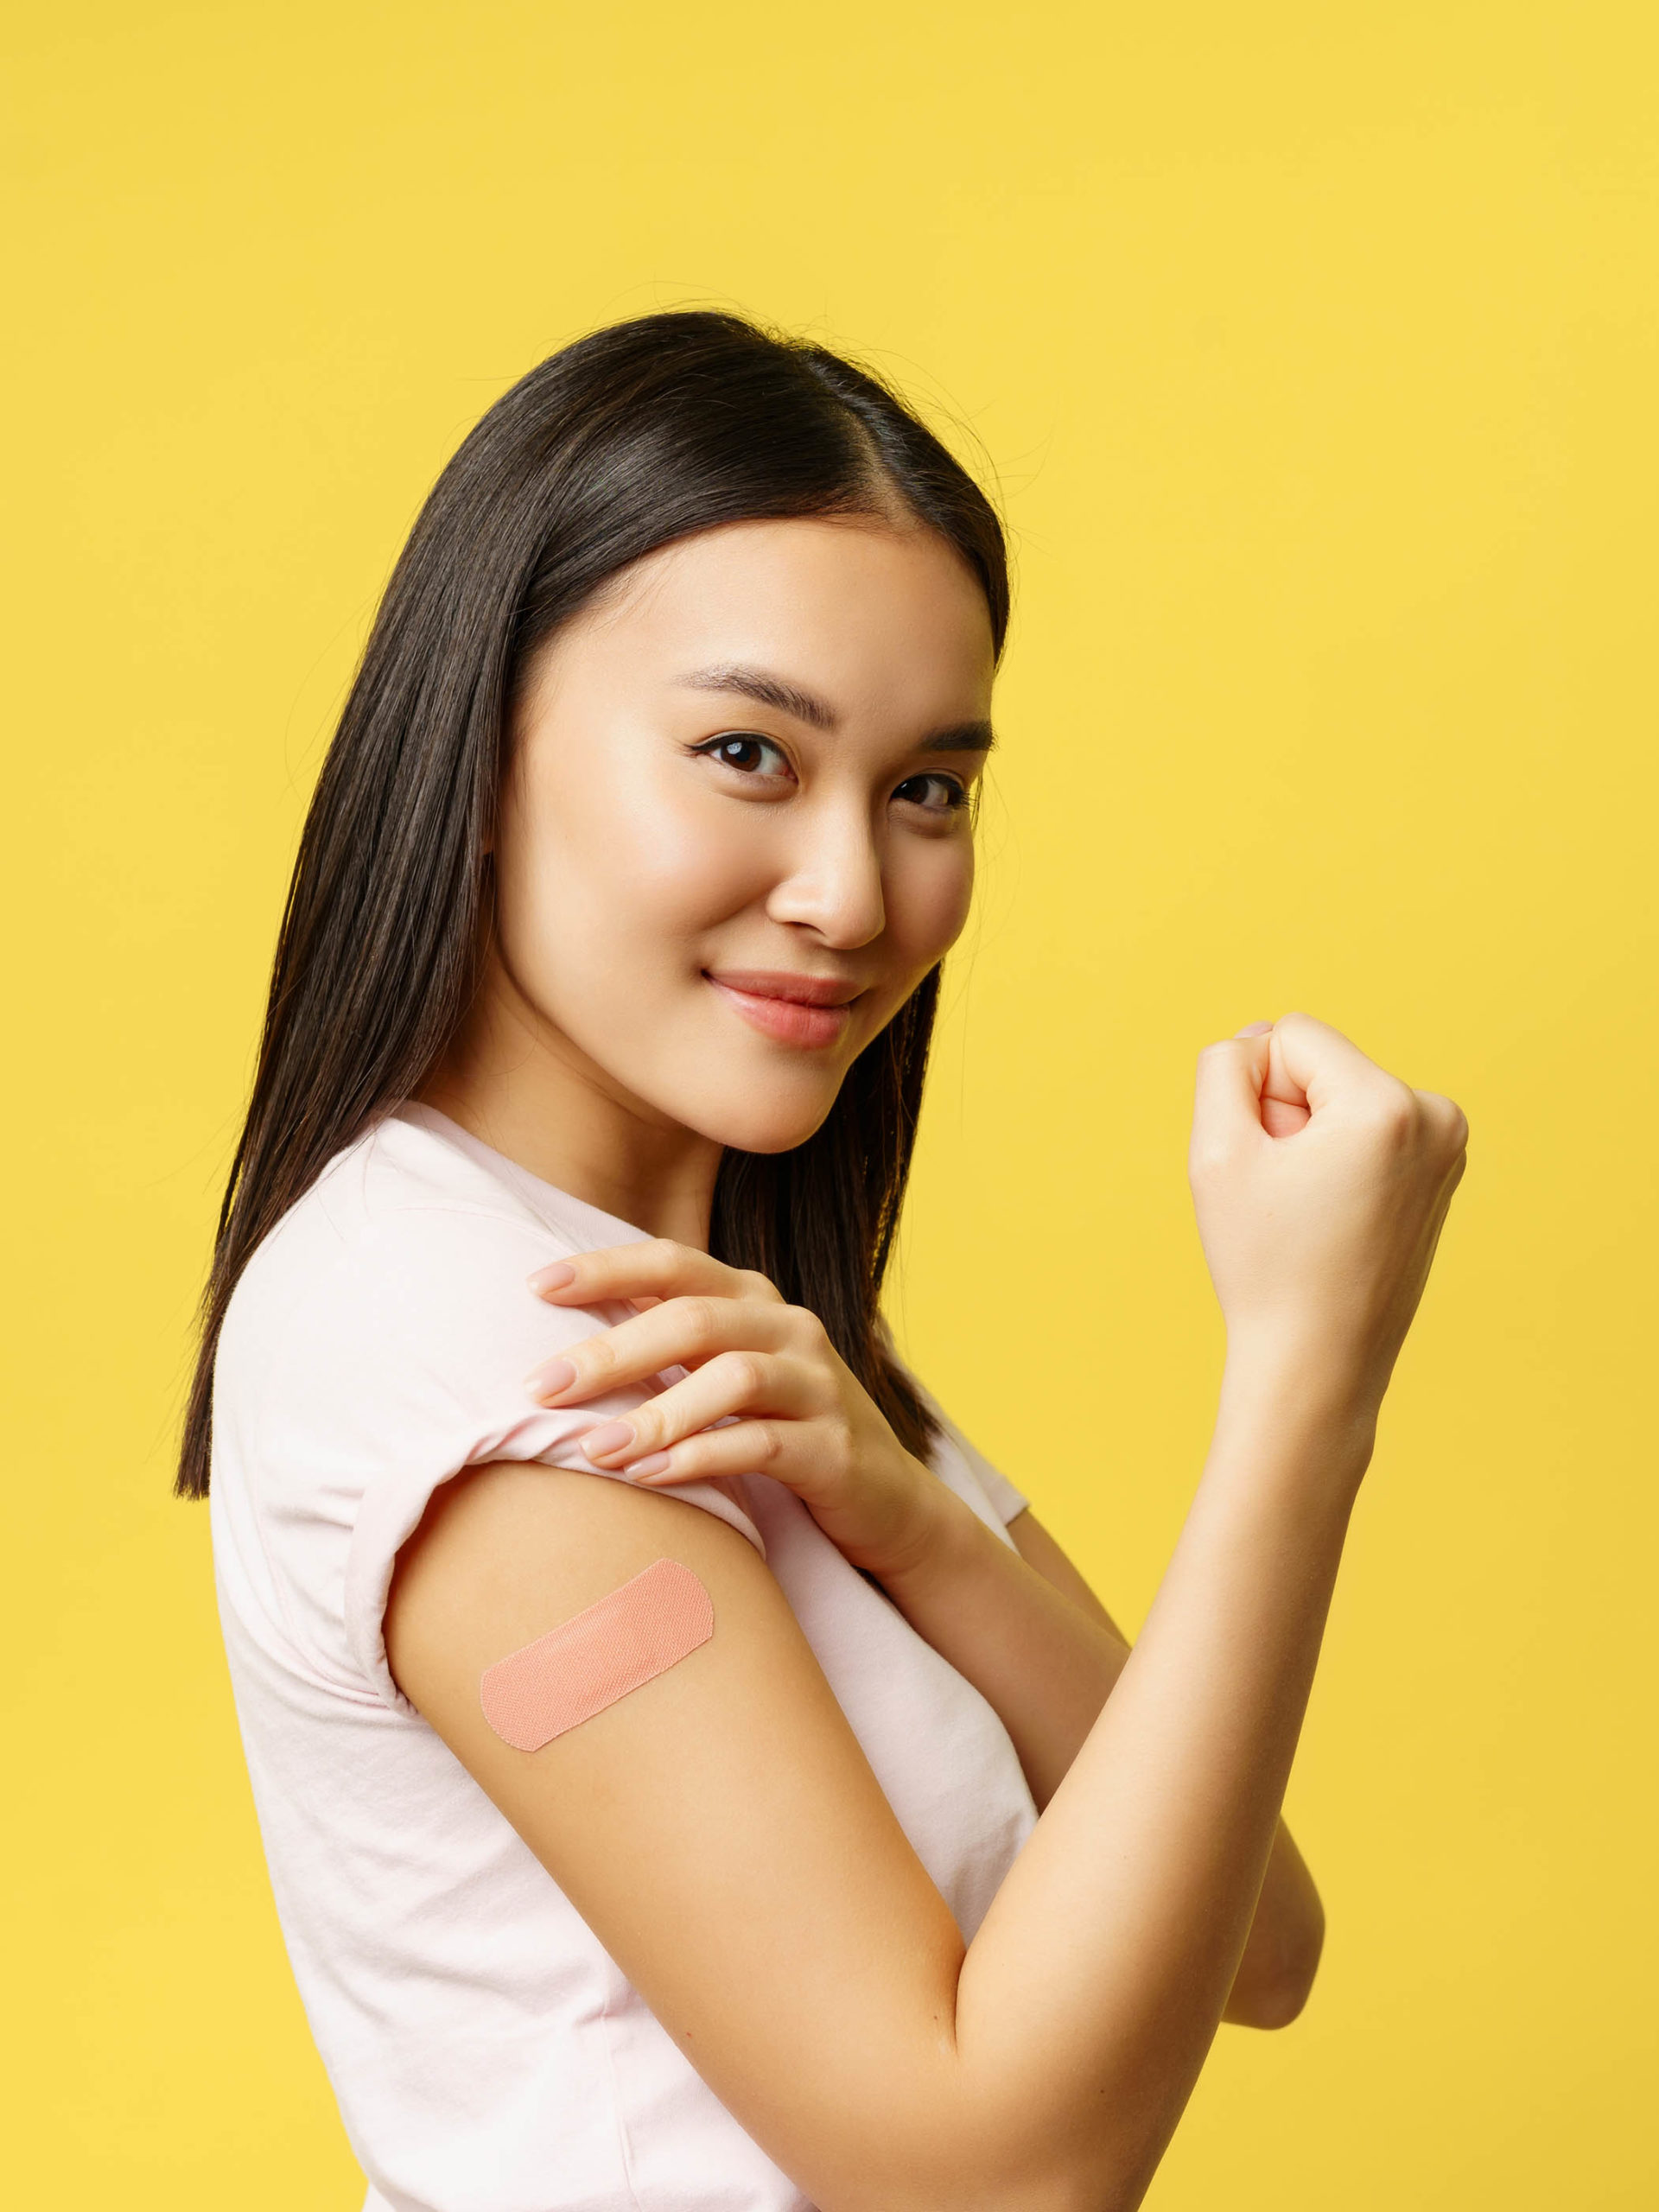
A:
[586,1663]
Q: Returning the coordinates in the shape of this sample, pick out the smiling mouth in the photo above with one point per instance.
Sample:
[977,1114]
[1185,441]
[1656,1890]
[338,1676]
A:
[810,1011]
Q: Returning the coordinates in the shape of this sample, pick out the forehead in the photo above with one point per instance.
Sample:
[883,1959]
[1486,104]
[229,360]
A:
[868,613]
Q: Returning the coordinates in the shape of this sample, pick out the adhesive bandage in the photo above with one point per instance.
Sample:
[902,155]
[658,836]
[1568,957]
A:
[586,1663]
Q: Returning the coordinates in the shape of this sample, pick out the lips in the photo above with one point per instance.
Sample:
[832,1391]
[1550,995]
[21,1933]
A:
[804,1010]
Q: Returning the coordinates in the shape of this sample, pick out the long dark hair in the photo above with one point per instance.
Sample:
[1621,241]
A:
[630,438]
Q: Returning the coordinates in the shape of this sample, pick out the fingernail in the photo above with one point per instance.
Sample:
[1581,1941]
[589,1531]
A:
[547,1381]
[559,1276]
[652,1464]
[606,1442]
[1253,1029]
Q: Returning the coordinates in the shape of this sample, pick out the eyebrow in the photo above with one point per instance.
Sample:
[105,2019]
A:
[769,690]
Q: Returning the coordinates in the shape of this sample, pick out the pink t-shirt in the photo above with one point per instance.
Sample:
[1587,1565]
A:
[488,2054]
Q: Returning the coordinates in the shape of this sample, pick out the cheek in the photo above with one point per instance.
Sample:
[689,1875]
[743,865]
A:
[689,864]
[626,868]
[930,889]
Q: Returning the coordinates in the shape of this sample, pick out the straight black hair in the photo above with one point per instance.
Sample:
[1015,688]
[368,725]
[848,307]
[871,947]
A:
[634,437]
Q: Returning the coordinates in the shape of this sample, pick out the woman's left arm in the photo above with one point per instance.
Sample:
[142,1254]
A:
[765,1391]
[1027,1630]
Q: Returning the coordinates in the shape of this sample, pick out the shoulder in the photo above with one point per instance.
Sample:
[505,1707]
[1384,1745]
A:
[387,1322]
[378,1342]
[403,1244]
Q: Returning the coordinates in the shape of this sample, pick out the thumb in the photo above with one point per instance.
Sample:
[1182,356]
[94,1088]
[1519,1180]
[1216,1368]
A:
[1227,1096]
[1284,1100]
[1312,1063]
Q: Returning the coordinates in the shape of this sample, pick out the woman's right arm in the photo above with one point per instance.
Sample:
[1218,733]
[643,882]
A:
[721,1832]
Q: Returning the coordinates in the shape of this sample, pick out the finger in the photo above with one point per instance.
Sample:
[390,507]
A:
[1226,1093]
[737,1383]
[1284,1105]
[743,1447]
[1446,1117]
[680,1332]
[1312,1064]
[1282,1117]
[1284,1101]
[656,1267]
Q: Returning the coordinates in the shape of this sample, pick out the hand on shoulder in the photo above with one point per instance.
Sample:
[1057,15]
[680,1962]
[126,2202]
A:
[765,1393]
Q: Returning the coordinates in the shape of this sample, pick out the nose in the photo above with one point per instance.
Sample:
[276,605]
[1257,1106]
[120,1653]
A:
[833,883]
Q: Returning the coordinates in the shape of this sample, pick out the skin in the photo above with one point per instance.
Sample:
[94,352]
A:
[629,864]
[769,1908]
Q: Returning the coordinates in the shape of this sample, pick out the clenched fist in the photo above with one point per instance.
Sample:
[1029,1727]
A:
[1321,1184]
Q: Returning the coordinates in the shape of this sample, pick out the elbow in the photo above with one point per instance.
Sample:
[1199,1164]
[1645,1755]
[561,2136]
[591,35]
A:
[1276,2005]
[1274,1991]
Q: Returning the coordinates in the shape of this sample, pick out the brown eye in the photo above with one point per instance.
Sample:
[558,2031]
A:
[748,755]
[934,794]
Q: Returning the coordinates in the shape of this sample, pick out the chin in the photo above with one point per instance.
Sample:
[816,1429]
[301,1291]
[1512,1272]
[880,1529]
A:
[757,1123]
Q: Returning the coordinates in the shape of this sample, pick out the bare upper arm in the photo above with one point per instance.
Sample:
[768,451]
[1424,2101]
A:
[718,1828]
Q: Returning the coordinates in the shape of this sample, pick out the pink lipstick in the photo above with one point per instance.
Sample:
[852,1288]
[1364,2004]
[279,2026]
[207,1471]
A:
[807,1010]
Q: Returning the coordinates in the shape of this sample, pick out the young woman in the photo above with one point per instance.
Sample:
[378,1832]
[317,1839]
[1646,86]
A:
[588,1090]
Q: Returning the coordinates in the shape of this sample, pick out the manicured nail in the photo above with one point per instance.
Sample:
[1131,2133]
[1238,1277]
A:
[559,1276]
[652,1464]
[548,1380]
[610,1441]
[1253,1029]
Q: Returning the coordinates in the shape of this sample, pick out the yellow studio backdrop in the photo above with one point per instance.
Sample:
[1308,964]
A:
[1315,352]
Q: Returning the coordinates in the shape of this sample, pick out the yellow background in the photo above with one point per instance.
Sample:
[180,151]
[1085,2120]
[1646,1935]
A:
[1314,348]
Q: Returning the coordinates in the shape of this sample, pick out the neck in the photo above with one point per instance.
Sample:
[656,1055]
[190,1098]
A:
[522,1087]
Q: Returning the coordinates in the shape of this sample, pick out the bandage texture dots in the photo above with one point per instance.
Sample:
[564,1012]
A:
[586,1663]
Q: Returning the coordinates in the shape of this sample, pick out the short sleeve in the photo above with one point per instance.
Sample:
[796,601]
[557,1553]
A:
[1004,1497]
[968,1470]
[402,1363]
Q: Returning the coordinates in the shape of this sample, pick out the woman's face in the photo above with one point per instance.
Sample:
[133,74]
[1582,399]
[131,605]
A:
[735,836]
